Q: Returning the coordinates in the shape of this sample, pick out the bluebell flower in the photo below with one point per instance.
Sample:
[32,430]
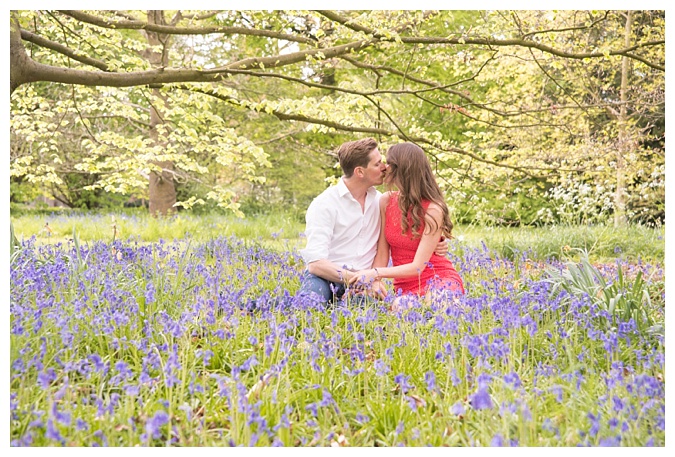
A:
[312,408]
[497,441]
[362,418]
[595,424]
[58,395]
[430,379]
[381,368]
[612,441]
[132,390]
[53,434]
[25,441]
[402,380]
[507,408]
[548,425]
[454,378]
[557,392]
[513,380]
[154,425]
[99,434]
[412,403]
[618,404]
[327,399]
[277,442]
[458,409]
[81,425]
[45,378]
[99,366]
[481,399]
[352,373]
[149,293]
[61,417]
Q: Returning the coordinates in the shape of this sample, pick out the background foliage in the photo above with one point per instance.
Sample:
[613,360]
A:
[529,117]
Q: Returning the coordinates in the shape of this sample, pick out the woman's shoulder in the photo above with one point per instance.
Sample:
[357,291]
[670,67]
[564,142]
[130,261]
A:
[387,197]
[433,209]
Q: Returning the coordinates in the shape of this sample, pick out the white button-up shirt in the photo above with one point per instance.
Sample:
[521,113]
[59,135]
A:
[339,231]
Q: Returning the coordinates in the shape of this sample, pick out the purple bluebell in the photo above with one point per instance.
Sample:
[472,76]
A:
[362,418]
[430,379]
[481,399]
[497,440]
[458,409]
[612,441]
[512,380]
[53,434]
[153,426]
[402,381]
[81,425]
[45,378]
[381,368]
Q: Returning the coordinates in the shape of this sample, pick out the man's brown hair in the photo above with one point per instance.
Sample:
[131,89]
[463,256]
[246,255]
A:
[355,154]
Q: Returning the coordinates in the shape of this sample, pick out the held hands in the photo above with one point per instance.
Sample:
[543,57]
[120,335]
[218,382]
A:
[369,281]
[364,277]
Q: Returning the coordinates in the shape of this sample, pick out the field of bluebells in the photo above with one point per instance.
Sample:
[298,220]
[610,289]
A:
[158,344]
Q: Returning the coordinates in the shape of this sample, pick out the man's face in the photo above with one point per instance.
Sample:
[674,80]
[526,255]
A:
[374,172]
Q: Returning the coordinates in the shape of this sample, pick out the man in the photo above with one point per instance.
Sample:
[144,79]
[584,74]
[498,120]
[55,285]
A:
[343,224]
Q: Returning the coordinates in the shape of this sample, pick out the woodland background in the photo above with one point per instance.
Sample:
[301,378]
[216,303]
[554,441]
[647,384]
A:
[529,117]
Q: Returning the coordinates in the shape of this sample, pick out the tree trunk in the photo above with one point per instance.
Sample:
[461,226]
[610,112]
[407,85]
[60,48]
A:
[162,187]
[20,64]
[625,142]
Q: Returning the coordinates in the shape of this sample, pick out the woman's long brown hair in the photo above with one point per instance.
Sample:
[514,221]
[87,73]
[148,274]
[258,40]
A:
[410,170]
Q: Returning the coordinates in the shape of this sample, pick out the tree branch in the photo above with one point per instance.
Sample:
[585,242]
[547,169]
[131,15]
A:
[41,72]
[567,29]
[495,42]
[295,57]
[201,16]
[370,130]
[172,30]
[66,51]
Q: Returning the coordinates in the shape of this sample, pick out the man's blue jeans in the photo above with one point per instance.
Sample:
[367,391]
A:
[329,292]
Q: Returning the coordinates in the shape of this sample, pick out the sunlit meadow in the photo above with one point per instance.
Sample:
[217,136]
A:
[203,342]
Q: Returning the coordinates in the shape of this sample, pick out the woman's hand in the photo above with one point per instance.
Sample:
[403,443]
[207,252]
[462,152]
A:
[364,278]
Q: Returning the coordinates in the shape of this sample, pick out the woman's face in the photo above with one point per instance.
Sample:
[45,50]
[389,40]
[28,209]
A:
[389,173]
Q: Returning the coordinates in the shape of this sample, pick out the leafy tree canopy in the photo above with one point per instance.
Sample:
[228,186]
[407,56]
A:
[221,103]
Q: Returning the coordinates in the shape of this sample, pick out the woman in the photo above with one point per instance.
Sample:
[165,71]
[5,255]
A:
[415,218]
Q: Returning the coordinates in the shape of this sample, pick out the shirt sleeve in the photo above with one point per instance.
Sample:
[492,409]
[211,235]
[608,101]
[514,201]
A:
[320,222]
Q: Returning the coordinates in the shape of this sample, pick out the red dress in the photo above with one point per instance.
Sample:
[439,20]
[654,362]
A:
[439,272]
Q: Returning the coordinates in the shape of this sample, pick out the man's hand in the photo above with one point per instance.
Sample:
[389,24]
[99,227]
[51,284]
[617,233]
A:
[442,247]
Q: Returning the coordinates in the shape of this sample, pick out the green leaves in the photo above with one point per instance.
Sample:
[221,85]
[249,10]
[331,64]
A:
[543,103]
[622,299]
[14,244]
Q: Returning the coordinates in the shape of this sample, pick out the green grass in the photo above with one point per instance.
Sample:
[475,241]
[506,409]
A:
[277,231]
[601,242]
[284,232]
[302,375]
